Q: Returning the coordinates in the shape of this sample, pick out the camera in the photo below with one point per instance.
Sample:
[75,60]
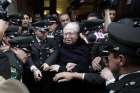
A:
[92,25]
[92,29]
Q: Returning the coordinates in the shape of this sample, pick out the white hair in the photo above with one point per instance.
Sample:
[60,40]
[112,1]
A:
[73,26]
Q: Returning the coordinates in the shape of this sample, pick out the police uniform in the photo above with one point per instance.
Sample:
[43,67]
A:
[10,66]
[125,38]
[42,51]
[58,33]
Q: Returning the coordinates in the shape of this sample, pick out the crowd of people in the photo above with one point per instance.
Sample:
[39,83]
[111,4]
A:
[58,55]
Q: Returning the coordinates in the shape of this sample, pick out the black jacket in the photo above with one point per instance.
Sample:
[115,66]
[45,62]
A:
[128,84]
[78,53]
[44,52]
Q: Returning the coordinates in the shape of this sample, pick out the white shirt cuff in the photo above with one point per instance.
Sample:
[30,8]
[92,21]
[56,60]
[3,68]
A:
[110,81]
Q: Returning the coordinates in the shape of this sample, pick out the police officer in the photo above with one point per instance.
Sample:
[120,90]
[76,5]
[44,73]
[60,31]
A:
[11,66]
[54,29]
[123,73]
[43,54]
[52,26]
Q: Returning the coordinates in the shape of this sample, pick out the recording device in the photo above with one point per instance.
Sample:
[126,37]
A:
[91,25]
[3,5]
[92,29]
[23,42]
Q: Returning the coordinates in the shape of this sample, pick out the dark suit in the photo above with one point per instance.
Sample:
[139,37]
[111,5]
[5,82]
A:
[41,52]
[128,84]
[94,83]
[77,53]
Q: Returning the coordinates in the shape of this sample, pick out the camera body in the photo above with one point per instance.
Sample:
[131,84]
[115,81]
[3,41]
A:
[92,30]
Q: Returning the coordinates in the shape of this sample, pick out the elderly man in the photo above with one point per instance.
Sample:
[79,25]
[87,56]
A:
[73,56]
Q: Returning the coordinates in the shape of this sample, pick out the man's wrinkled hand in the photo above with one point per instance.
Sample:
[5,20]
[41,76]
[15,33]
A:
[54,68]
[45,67]
[37,75]
[21,54]
[70,66]
[63,77]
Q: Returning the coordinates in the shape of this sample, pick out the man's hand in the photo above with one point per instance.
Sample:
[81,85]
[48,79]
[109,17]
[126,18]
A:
[45,67]
[96,63]
[70,66]
[107,74]
[21,55]
[4,47]
[63,76]
[54,68]
[37,75]
[3,28]
[36,72]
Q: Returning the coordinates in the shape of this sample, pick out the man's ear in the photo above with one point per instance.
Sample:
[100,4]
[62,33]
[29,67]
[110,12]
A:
[122,60]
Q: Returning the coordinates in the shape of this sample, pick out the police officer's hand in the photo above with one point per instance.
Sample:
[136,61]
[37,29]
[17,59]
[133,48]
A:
[37,75]
[63,76]
[96,64]
[45,67]
[70,66]
[107,74]
[36,72]
[54,68]
[5,46]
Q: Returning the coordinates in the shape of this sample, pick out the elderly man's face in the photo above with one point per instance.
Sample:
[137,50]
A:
[70,36]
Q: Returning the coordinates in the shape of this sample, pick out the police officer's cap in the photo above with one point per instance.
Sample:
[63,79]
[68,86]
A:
[41,26]
[51,19]
[125,38]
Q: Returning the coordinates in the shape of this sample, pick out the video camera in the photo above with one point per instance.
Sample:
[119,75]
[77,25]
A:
[92,29]
[21,41]
[93,25]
